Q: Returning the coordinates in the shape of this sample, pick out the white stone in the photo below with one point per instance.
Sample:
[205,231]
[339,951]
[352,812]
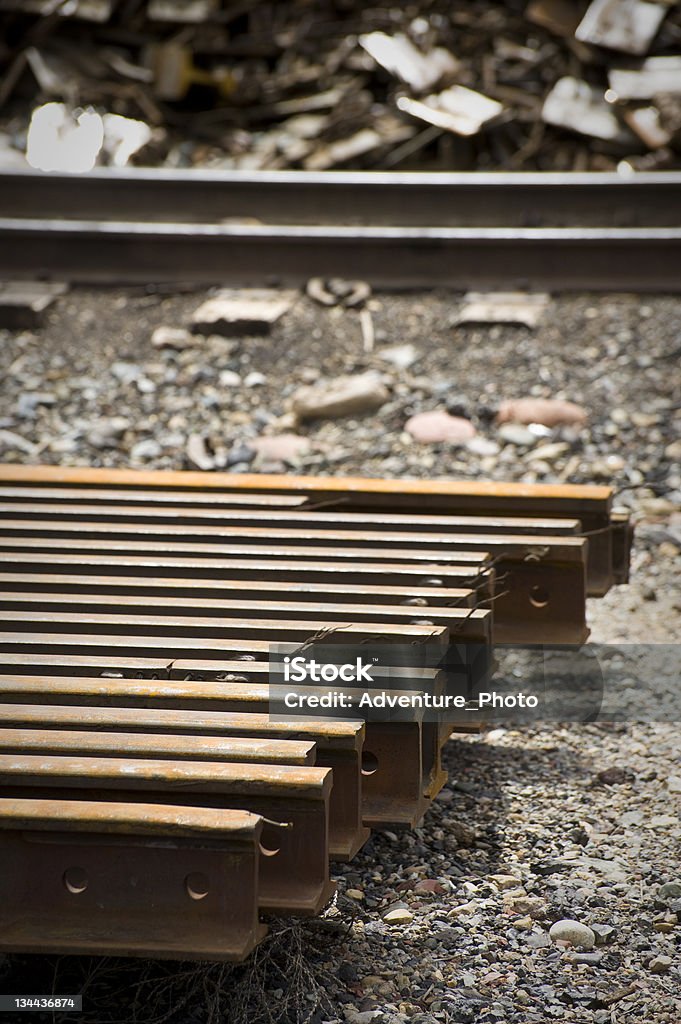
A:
[398,916]
[172,337]
[574,932]
[516,433]
[344,396]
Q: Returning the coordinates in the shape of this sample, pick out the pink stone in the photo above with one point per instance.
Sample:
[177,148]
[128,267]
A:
[429,885]
[551,412]
[438,425]
[280,448]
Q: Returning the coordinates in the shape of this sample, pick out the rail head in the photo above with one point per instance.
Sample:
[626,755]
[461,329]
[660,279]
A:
[128,818]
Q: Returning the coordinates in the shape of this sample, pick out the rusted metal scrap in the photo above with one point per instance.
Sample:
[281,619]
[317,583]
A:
[204,83]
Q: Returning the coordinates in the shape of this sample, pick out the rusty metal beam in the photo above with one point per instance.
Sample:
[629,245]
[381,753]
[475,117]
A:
[182,632]
[541,597]
[112,665]
[212,593]
[128,879]
[400,775]
[296,535]
[622,529]
[460,643]
[338,743]
[170,516]
[535,497]
[591,504]
[402,759]
[84,494]
[172,607]
[230,750]
[469,568]
[294,879]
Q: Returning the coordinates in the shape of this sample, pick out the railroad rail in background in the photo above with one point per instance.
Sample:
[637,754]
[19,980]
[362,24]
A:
[557,231]
[348,197]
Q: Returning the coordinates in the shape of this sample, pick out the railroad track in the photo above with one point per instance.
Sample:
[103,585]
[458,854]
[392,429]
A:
[154,800]
[555,231]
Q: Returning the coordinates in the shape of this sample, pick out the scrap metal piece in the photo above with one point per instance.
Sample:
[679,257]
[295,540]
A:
[626,25]
[654,76]
[457,109]
[124,879]
[574,104]
[364,141]
[398,55]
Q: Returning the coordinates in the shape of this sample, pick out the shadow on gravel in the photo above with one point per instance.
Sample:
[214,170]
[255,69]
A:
[311,971]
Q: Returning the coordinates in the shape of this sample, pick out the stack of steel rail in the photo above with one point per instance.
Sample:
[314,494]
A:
[150,804]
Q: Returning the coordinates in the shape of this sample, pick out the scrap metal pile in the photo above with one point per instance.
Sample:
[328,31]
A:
[150,804]
[586,85]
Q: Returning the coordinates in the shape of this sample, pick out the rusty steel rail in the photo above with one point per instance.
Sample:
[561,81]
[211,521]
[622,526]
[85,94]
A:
[170,608]
[40,495]
[401,771]
[470,568]
[543,599]
[128,879]
[460,641]
[109,666]
[338,743]
[218,592]
[294,869]
[111,515]
[591,504]
[417,760]
[179,633]
[231,750]
[137,615]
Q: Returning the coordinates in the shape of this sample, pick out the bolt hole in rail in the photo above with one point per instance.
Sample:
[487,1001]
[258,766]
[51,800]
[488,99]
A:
[559,231]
